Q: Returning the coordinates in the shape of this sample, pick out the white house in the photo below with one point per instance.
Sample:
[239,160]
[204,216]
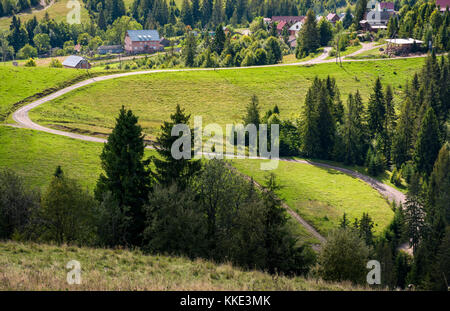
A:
[295,28]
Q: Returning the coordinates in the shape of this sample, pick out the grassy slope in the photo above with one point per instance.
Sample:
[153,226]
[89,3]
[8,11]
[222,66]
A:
[42,267]
[58,11]
[217,96]
[311,191]
[18,83]
[321,196]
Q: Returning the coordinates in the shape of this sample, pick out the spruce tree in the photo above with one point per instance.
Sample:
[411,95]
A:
[219,39]
[428,143]
[310,130]
[169,170]
[253,115]
[125,174]
[355,142]
[308,40]
[376,110]
[438,190]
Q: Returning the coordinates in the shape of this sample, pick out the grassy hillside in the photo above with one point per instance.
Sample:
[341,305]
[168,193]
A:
[42,267]
[321,196]
[18,83]
[217,96]
[57,11]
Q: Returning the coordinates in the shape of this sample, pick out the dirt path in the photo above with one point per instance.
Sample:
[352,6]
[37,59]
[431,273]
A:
[22,118]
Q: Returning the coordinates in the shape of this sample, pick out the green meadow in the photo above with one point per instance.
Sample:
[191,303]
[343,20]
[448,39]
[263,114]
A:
[218,96]
[321,196]
[18,83]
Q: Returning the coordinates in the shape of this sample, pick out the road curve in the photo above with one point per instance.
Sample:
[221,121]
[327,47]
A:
[23,120]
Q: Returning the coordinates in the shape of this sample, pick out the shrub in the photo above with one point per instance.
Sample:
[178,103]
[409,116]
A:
[344,257]
[27,52]
[17,204]
[30,63]
[55,63]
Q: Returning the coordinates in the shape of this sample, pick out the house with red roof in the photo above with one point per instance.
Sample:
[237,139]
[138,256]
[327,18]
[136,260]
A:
[280,26]
[387,6]
[443,4]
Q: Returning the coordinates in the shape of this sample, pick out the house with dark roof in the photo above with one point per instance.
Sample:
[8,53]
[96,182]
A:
[332,17]
[76,62]
[142,41]
[376,19]
[109,49]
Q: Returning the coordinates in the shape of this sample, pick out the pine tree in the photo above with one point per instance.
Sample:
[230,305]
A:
[308,40]
[326,123]
[355,141]
[376,110]
[207,6]
[428,143]
[348,19]
[18,36]
[402,141]
[196,13]
[219,39]
[190,50]
[217,12]
[439,195]
[310,129]
[389,122]
[360,10]
[414,213]
[253,115]
[169,170]
[125,173]
[186,13]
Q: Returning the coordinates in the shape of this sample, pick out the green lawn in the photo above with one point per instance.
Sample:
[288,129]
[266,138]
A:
[218,96]
[321,196]
[348,50]
[33,266]
[35,155]
[18,83]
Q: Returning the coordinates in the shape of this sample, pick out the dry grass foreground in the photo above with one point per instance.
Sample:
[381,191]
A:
[33,266]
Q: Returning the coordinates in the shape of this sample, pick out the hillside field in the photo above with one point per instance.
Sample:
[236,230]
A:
[18,83]
[218,96]
[319,195]
[33,266]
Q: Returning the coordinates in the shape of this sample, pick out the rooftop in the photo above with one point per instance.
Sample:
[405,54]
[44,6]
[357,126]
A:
[72,61]
[404,41]
[143,35]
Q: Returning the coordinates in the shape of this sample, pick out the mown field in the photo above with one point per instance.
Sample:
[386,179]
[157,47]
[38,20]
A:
[42,267]
[321,196]
[218,96]
[18,83]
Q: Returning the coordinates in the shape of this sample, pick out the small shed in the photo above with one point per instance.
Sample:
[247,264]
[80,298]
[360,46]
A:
[77,62]
[401,46]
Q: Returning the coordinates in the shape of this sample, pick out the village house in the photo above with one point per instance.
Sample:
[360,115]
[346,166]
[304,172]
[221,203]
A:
[294,29]
[333,18]
[401,46]
[109,49]
[280,27]
[443,5]
[76,62]
[287,19]
[142,41]
[376,18]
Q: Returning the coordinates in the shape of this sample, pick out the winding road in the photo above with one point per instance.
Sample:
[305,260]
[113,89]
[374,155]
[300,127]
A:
[23,120]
